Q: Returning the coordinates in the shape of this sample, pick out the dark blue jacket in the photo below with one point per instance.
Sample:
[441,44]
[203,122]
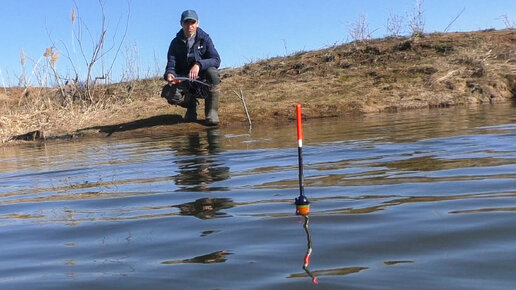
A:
[204,51]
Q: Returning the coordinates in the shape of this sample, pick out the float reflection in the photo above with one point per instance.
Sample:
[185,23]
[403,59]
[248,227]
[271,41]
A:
[306,260]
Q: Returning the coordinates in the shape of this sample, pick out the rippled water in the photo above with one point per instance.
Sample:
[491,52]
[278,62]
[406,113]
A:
[415,200]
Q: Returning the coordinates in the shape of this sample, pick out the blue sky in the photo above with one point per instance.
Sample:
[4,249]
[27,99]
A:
[243,31]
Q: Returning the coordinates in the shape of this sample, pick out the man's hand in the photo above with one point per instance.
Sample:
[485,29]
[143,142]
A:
[194,71]
[170,78]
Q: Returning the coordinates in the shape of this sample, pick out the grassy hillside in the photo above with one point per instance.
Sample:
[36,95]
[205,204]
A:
[390,74]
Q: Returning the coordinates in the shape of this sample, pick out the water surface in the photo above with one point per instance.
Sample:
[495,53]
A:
[412,200]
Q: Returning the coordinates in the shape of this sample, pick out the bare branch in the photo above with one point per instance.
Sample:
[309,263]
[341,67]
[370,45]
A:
[121,41]
[454,19]
[241,97]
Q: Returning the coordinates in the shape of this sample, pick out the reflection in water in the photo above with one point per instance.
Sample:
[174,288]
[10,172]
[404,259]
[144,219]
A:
[215,257]
[392,263]
[206,233]
[485,210]
[416,197]
[328,272]
[332,272]
[206,208]
[201,167]
[306,261]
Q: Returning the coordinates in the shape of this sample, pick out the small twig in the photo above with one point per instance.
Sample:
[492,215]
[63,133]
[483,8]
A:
[25,91]
[241,97]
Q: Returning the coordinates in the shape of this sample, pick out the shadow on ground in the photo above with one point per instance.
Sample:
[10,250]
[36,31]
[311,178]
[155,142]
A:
[162,120]
[138,124]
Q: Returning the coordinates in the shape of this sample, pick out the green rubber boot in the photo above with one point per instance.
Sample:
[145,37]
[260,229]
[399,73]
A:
[211,107]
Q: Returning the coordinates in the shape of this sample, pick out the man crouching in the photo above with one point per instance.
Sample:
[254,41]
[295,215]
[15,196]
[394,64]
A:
[192,54]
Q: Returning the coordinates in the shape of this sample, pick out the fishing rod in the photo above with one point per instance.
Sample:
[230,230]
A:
[178,80]
[302,203]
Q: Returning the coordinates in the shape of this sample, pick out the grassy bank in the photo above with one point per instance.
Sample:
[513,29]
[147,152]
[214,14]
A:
[390,74]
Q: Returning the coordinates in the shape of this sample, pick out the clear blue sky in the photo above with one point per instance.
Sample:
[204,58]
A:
[243,31]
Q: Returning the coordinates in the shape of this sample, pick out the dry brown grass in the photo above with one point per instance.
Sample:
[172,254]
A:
[391,74]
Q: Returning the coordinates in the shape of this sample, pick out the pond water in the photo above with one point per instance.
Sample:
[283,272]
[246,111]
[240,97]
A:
[411,200]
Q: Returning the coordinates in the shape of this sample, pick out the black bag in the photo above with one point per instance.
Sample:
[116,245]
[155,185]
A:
[176,94]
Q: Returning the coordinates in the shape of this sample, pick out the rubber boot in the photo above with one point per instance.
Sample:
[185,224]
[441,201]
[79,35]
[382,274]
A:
[211,106]
[191,111]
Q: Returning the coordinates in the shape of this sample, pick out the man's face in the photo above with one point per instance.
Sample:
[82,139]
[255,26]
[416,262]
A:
[189,27]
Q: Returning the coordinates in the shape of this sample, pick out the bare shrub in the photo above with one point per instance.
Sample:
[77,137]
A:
[394,25]
[52,56]
[101,45]
[417,19]
[507,21]
[3,82]
[132,69]
[359,31]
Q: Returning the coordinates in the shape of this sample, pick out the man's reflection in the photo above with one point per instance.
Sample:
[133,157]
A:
[215,257]
[202,165]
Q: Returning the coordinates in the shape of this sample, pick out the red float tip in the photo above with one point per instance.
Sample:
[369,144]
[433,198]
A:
[299,123]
